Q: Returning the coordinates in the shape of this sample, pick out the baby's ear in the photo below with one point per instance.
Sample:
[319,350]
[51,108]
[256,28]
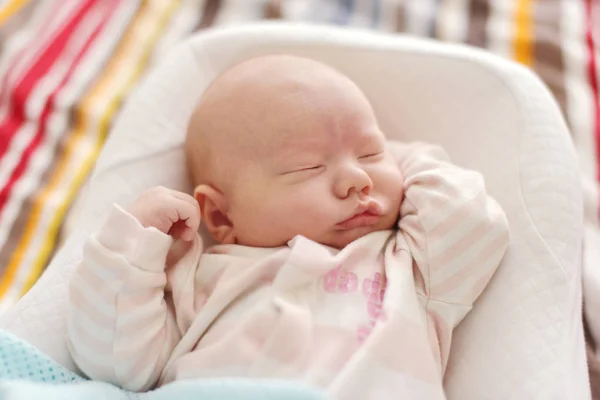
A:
[213,207]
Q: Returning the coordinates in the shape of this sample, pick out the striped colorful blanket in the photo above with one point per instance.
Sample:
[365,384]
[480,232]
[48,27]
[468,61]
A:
[67,66]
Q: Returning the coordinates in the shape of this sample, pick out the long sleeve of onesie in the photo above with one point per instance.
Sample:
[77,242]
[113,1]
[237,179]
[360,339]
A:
[457,235]
[121,324]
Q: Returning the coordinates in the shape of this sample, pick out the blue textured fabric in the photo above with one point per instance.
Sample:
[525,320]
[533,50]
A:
[20,360]
[27,373]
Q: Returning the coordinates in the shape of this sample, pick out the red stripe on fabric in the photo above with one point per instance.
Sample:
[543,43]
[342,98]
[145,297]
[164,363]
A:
[48,107]
[22,92]
[593,78]
[44,32]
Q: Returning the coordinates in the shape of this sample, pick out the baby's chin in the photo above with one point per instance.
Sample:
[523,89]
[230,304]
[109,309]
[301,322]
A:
[335,238]
[340,239]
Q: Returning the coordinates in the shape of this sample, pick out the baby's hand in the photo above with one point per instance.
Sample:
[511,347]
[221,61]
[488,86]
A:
[171,212]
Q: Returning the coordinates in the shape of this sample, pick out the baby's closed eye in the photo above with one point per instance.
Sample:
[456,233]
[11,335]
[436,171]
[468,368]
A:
[303,169]
[372,156]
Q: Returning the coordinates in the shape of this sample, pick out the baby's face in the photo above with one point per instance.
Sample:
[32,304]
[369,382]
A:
[316,165]
[332,184]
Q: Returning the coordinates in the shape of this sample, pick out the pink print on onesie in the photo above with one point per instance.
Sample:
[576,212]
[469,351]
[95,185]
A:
[339,281]
[374,290]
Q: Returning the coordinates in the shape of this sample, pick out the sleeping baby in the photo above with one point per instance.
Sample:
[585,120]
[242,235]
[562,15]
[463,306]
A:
[341,260]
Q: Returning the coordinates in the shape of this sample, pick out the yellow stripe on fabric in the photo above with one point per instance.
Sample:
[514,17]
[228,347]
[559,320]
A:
[10,9]
[523,40]
[142,19]
[103,126]
[11,270]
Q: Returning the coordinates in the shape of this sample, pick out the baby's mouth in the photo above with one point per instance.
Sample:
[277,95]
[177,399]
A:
[366,214]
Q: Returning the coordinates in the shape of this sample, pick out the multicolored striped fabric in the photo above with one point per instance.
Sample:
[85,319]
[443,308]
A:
[67,66]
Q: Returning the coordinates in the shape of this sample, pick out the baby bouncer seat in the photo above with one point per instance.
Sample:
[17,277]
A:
[523,339]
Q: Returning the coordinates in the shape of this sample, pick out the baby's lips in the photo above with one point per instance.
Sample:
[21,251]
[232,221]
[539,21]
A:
[374,207]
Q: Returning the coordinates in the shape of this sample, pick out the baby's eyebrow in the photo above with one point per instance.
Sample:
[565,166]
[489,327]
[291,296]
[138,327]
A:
[290,156]
[294,149]
[371,135]
[370,138]
[297,163]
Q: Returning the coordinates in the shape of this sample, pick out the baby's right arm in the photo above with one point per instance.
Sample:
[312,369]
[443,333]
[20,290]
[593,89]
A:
[122,326]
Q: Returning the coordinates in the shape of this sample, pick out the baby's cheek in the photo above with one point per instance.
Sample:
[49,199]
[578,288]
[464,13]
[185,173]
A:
[398,193]
[309,212]
[309,209]
[390,182]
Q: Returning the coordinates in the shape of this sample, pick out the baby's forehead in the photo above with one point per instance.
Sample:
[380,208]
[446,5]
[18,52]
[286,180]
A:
[283,100]
[317,137]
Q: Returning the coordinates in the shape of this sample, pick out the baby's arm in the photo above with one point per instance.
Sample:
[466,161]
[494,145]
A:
[456,232]
[122,326]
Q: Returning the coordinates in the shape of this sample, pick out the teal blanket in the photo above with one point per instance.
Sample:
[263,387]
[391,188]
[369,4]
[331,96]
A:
[26,373]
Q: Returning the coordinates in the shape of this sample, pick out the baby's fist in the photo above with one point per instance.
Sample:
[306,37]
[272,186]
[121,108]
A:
[171,212]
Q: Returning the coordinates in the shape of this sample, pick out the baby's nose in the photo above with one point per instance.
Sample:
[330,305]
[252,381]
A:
[353,181]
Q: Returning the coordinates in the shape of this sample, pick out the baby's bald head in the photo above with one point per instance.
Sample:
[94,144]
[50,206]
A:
[244,110]
[281,146]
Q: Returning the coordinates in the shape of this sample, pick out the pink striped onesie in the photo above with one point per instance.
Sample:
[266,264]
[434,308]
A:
[371,321]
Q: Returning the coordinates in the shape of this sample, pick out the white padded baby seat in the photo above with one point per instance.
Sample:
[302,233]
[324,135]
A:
[524,338]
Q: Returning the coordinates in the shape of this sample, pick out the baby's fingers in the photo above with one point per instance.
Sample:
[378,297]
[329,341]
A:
[188,234]
[187,198]
[190,215]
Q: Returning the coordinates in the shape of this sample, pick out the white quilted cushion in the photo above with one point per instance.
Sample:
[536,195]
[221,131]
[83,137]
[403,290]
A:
[524,338]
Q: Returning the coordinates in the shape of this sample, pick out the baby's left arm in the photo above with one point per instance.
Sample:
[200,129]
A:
[456,232]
